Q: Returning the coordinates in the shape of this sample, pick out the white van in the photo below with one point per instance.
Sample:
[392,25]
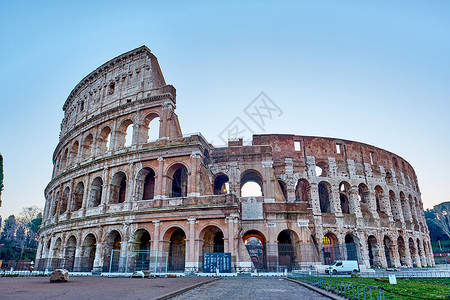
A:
[343,266]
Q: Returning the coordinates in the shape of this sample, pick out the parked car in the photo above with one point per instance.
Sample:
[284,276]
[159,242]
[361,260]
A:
[343,266]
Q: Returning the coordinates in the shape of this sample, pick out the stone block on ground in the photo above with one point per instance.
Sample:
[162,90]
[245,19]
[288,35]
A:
[59,275]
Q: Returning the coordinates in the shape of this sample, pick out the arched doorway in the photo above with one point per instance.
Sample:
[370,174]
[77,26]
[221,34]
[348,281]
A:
[387,251]
[412,251]
[211,239]
[251,184]
[112,252]
[221,185]
[140,249]
[324,197]
[350,247]
[373,251]
[56,259]
[330,249]
[88,253]
[287,249]
[69,257]
[179,180]
[255,243]
[177,250]
[401,251]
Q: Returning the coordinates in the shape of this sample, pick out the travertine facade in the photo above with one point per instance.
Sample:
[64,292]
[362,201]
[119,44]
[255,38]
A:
[115,188]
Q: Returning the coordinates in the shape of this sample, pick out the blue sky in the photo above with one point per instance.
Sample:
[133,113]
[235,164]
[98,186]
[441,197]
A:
[372,71]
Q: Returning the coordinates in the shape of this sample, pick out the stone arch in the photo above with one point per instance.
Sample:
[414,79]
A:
[378,197]
[321,168]
[374,251]
[288,250]
[141,240]
[251,184]
[86,149]
[64,200]
[413,251]
[118,188]
[65,159]
[55,203]
[303,191]
[125,134]
[351,246]
[74,152]
[57,260]
[394,207]
[363,196]
[145,184]
[330,248]
[324,196]
[255,242]
[95,194]
[401,250]
[78,193]
[388,251]
[69,255]
[150,128]
[404,206]
[175,245]
[89,247]
[177,175]
[344,196]
[221,184]
[112,251]
[104,139]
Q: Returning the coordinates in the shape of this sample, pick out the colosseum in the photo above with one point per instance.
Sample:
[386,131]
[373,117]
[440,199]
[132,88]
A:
[127,183]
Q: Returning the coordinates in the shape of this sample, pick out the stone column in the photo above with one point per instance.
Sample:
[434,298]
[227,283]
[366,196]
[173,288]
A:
[192,188]
[315,202]
[160,180]
[191,262]
[156,238]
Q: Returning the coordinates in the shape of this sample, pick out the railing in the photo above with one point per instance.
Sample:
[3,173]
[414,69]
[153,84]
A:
[346,289]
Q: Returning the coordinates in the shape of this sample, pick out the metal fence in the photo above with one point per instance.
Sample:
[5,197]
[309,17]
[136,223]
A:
[347,289]
[150,261]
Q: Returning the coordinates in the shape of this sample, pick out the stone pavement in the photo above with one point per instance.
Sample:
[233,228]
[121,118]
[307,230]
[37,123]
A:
[251,288]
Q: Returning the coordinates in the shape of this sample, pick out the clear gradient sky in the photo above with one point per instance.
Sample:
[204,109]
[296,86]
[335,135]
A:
[372,71]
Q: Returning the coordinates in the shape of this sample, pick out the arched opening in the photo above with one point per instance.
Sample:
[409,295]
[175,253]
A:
[95,195]
[221,185]
[283,189]
[111,256]
[69,256]
[125,134]
[412,251]
[401,250]
[378,197]
[118,188]
[74,153]
[321,169]
[350,246]
[324,197]
[177,250]
[255,243]
[363,196]
[86,150]
[57,259]
[330,249]
[251,184]
[405,207]
[55,204]
[344,194]
[149,184]
[103,143]
[394,208]
[64,200]
[389,178]
[412,208]
[179,181]
[150,128]
[141,246]
[287,249]
[77,201]
[212,241]
[374,254]
[303,191]
[388,251]
[88,253]
[65,160]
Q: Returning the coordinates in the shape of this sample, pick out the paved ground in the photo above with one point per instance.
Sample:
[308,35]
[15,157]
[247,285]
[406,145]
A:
[251,288]
[97,288]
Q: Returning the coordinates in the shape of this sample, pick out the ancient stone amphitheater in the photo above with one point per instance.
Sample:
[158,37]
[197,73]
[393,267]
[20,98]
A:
[126,183]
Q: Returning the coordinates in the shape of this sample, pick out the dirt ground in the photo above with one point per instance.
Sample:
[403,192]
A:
[36,288]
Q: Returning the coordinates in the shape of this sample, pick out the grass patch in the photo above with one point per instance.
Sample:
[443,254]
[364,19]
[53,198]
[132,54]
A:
[436,288]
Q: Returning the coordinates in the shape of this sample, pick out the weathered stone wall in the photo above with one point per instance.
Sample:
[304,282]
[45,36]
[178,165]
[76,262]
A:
[113,188]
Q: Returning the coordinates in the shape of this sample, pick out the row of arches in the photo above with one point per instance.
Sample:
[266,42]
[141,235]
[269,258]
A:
[108,138]
[118,186]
